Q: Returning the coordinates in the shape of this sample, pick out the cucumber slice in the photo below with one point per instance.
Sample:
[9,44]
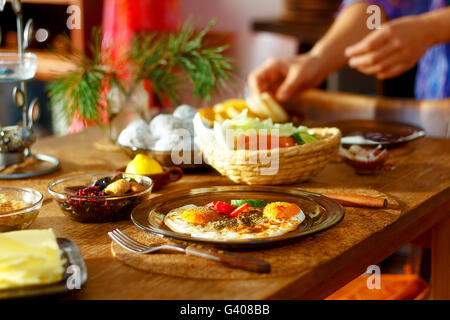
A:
[252,203]
[303,137]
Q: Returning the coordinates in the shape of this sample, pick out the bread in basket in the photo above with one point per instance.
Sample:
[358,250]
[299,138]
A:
[267,167]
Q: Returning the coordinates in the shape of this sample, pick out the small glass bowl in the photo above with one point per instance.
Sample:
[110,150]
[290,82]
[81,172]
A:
[98,208]
[13,69]
[370,161]
[20,218]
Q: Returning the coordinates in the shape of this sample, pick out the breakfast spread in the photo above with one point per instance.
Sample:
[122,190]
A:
[29,257]
[132,73]
[239,219]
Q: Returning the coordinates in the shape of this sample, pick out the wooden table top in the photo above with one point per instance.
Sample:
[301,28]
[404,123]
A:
[420,184]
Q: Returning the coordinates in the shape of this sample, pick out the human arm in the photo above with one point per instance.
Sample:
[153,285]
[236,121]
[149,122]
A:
[399,44]
[439,24]
[285,77]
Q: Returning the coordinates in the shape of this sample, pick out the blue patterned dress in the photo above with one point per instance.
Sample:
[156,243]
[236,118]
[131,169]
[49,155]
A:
[433,73]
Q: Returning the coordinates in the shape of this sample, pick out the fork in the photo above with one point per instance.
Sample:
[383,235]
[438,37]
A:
[228,258]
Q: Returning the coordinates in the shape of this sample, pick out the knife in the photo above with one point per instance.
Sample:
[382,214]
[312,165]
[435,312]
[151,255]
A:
[357,200]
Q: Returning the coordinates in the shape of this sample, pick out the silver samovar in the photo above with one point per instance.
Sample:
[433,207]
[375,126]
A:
[20,67]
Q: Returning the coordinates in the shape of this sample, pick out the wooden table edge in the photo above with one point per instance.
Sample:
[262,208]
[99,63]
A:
[400,233]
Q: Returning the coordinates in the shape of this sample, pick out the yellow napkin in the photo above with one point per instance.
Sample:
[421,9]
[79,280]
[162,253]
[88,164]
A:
[29,257]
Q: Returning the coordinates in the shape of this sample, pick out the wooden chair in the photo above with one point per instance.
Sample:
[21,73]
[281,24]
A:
[432,115]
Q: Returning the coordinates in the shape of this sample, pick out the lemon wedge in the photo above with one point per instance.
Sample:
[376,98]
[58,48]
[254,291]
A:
[208,114]
[144,165]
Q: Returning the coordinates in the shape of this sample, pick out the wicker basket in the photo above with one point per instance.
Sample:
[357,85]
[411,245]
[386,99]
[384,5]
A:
[277,166]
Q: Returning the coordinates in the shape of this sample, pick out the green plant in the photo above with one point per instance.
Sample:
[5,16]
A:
[168,61]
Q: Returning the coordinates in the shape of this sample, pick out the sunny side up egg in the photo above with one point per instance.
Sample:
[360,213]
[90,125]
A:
[277,218]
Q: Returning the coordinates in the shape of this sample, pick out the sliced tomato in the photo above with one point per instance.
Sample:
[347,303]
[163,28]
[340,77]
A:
[263,142]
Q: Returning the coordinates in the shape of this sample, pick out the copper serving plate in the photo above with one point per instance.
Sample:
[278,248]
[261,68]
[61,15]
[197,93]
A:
[321,213]
[373,132]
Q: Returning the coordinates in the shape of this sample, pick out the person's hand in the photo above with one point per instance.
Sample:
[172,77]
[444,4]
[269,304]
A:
[285,77]
[391,50]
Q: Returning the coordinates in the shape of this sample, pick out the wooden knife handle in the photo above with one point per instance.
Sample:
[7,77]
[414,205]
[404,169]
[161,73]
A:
[356,200]
[230,259]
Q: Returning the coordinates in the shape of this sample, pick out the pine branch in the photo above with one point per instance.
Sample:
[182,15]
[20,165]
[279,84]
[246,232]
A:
[185,53]
[167,60]
[79,92]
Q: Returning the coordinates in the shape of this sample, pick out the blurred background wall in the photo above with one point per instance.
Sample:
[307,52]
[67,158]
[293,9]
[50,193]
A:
[236,17]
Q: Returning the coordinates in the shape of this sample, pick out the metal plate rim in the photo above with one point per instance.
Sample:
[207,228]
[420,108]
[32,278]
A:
[138,216]
[42,157]
[417,131]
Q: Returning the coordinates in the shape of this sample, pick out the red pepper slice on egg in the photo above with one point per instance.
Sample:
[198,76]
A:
[240,210]
[221,207]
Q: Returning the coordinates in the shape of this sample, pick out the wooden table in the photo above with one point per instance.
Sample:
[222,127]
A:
[420,183]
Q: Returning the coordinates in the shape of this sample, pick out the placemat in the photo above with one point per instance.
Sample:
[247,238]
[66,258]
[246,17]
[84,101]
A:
[286,260]
[105,144]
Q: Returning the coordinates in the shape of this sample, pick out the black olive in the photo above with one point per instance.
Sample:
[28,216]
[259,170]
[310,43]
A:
[102,183]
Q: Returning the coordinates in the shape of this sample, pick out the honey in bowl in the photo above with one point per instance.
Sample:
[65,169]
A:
[19,207]
[7,205]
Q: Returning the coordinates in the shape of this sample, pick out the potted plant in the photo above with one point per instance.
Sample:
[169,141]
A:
[102,86]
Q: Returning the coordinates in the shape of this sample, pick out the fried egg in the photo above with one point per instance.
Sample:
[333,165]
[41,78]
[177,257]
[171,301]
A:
[275,219]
